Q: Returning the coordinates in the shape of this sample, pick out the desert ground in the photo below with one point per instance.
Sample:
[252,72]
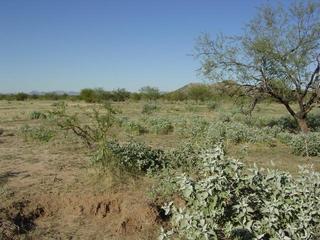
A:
[51,190]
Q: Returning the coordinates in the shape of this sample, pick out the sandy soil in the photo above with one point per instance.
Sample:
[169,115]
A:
[47,192]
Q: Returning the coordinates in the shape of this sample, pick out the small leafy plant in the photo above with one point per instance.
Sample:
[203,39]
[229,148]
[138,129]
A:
[222,200]
[37,115]
[43,134]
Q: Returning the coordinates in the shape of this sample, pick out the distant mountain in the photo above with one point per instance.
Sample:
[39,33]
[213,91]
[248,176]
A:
[215,87]
[70,93]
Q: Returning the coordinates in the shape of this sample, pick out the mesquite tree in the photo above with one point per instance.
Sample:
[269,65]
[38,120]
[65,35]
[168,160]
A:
[278,54]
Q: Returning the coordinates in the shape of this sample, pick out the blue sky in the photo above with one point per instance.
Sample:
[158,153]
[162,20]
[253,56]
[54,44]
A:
[68,45]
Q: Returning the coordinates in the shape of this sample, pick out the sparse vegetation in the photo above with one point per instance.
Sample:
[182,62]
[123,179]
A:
[114,164]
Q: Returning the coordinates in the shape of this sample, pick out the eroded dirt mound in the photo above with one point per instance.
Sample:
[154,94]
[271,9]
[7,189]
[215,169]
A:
[81,216]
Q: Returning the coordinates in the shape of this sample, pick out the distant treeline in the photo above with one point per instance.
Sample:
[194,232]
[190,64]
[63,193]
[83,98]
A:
[196,92]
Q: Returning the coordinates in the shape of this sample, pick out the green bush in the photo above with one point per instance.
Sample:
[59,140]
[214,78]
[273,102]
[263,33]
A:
[21,96]
[290,124]
[239,133]
[212,105]
[149,108]
[37,115]
[90,132]
[184,157]
[134,127]
[222,200]
[192,107]
[197,127]
[305,144]
[136,157]
[41,133]
[159,125]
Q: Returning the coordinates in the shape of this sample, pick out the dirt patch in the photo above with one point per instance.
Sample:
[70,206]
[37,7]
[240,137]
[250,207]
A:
[85,216]
[19,218]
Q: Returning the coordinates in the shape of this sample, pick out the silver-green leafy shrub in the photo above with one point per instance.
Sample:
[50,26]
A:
[159,125]
[305,144]
[239,133]
[150,108]
[135,157]
[133,127]
[225,201]
[194,127]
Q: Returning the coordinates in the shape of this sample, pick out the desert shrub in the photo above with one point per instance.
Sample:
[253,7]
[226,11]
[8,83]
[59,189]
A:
[21,96]
[38,115]
[159,125]
[191,128]
[212,105]
[239,133]
[134,127]
[149,108]
[225,201]
[136,157]
[289,123]
[313,121]
[305,144]
[192,107]
[225,117]
[184,157]
[91,132]
[285,137]
[150,93]
[43,134]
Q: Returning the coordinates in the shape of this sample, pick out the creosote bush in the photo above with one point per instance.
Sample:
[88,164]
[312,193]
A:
[222,200]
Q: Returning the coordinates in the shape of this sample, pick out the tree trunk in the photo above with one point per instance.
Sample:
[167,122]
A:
[303,125]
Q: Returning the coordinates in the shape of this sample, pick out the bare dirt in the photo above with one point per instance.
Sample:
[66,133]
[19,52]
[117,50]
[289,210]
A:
[47,192]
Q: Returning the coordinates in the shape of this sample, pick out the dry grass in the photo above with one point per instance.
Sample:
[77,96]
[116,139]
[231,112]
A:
[56,175]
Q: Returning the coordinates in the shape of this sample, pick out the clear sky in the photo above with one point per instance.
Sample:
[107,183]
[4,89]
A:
[68,45]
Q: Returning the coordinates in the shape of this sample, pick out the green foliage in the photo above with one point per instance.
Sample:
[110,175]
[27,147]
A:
[262,57]
[305,144]
[212,105]
[133,157]
[290,124]
[37,115]
[88,95]
[150,93]
[159,125]
[192,107]
[225,201]
[21,96]
[149,108]
[184,157]
[134,127]
[209,133]
[193,128]
[43,134]
[91,132]
[99,95]
[120,95]
[199,92]
[135,96]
